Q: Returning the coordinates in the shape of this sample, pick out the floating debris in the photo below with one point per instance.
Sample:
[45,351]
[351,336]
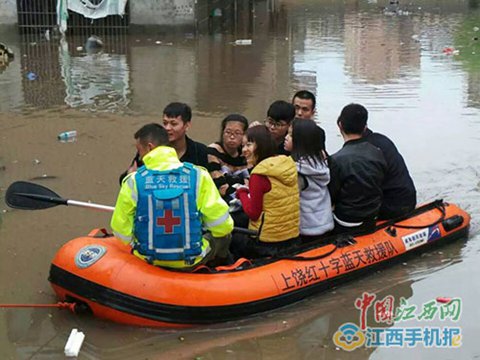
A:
[74,343]
[93,44]
[67,136]
[31,76]
[243,42]
[450,51]
[43,177]
[6,54]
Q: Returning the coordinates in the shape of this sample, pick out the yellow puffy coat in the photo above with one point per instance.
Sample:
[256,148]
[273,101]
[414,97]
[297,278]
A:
[280,218]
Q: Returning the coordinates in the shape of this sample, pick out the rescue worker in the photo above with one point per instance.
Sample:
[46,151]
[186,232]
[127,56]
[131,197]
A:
[162,207]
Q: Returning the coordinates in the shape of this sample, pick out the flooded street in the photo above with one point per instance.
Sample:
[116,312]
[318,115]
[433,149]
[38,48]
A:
[417,71]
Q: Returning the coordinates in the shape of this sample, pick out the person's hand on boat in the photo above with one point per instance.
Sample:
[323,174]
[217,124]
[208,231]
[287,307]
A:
[223,189]
[234,205]
[240,190]
[240,187]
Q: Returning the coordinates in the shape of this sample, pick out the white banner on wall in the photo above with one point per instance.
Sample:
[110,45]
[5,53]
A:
[87,9]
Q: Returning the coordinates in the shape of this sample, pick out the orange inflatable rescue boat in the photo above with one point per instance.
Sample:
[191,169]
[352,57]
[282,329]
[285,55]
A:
[99,272]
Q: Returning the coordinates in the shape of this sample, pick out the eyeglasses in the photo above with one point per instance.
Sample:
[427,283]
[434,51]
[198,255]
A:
[269,122]
[233,133]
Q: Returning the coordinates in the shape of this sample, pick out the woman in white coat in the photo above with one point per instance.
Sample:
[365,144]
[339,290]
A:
[306,142]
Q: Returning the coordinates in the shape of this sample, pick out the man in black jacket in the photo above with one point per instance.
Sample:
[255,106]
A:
[399,194]
[177,119]
[357,172]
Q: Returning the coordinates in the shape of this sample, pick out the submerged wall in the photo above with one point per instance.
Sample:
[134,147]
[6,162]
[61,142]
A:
[142,12]
[8,12]
[162,12]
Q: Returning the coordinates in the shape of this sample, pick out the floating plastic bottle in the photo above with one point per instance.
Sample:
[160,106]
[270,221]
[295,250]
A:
[31,76]
[243,42]
[67,136]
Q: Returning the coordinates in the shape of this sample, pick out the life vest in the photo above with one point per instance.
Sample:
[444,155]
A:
[167,223]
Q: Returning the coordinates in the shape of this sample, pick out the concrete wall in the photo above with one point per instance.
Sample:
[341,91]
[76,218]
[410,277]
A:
[162,12]
[8,12]
[143,12]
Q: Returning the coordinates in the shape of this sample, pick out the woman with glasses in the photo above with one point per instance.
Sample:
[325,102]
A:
[226,164]
[271,200]
[306,142]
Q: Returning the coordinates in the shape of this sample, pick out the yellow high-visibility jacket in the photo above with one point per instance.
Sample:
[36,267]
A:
[213,209]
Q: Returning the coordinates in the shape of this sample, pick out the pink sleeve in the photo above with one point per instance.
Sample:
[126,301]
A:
[252,202]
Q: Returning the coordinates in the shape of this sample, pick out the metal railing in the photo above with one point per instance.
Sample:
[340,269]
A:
[38,16]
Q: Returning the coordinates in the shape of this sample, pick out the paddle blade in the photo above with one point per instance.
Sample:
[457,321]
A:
[29,196]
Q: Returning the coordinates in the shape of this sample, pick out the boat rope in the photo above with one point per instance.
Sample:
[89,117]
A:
[59,305]
[440,206]
[342,240]
[345,239]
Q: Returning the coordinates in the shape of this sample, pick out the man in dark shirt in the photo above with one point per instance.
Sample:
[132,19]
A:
[279,116]
[177,119]
[304,102]
[357,172]
[399,194]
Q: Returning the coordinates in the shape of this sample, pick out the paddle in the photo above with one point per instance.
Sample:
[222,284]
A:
[30,196]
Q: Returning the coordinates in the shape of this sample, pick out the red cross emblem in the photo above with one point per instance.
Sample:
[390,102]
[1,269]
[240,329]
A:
[168,221]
